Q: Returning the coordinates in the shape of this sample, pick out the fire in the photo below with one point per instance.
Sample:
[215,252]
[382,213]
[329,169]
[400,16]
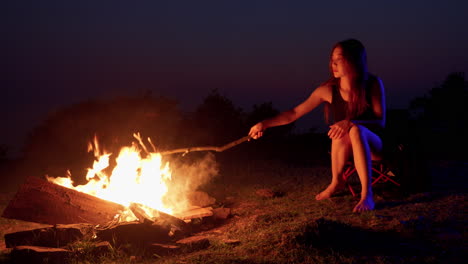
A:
[136,178]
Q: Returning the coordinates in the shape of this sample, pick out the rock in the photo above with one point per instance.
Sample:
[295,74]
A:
[221,213]
[163,249]
[193,243]
[268,193]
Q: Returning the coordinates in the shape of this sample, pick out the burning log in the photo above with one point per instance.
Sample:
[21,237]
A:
[142,216]
[178,227]
[195,213]
[40,201]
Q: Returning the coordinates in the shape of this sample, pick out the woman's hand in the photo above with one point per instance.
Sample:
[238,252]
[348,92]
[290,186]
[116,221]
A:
[339,129]
[257,130]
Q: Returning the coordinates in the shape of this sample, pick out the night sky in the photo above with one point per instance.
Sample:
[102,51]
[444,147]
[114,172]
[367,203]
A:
[56,53]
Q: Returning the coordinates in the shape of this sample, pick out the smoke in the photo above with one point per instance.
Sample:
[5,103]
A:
[189,175]
[199,172]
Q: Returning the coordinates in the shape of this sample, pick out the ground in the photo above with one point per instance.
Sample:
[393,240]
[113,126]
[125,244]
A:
[405,227]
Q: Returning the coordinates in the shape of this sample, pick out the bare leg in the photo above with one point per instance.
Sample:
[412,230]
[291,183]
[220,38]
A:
[364,143]
[340,153]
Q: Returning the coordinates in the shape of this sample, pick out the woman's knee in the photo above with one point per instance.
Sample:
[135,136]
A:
[343,141]
[359,133]
[356,132]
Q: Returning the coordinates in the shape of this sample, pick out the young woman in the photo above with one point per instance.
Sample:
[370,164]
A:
[356,100]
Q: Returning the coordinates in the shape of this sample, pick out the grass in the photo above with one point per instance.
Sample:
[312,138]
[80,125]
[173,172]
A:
[406,227]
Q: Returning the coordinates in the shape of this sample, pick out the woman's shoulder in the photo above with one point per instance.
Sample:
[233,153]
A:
[375,85]
[325,89]
[372,78]
[328,85]
[374,81]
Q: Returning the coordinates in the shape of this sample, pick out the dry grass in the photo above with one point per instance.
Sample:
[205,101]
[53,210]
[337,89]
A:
[294,228]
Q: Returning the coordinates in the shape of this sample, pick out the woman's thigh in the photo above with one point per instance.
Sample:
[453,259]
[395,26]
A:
[374,141]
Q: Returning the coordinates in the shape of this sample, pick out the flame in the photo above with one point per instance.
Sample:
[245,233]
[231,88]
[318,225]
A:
[136,178]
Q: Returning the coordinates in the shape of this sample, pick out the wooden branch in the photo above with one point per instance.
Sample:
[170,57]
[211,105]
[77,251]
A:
[207,148]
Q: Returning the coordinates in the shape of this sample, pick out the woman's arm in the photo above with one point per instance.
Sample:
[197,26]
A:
[319,95]
[378,105]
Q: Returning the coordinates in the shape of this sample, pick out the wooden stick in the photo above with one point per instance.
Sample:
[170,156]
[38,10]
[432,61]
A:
[207,148]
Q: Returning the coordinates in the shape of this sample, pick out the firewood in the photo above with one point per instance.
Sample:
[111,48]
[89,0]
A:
[53,236]
[134,233]
[195,213]
[140,213]
[40,201]
[33,254]
[160,218]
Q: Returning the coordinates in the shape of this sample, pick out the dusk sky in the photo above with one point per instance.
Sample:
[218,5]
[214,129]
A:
[56,53]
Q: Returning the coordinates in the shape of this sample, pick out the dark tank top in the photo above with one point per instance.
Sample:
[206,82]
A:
[339,109]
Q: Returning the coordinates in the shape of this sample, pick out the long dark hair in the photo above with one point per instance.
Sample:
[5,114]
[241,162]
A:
[355,56]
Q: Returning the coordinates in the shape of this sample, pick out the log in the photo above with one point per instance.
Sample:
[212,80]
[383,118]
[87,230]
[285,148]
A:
[160,218]
[53,236]
[195,213]
[40,201]
[33,254]
[135,233]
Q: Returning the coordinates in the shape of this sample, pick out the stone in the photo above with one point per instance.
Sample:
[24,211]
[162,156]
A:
[163,249]
[265,193]
[221,213]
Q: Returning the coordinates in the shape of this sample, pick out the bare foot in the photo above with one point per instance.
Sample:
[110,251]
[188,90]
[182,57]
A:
[328,192]
[364,205]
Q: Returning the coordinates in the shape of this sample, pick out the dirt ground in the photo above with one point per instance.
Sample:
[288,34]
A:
[292,227]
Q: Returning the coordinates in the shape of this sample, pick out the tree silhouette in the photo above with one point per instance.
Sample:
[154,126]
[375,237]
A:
[217,121]
[440,119]
[264,111]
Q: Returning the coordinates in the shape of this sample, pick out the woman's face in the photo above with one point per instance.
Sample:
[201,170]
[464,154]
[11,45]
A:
[338,63]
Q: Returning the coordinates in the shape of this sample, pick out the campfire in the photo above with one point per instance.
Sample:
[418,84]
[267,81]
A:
[136,201]
[139,177]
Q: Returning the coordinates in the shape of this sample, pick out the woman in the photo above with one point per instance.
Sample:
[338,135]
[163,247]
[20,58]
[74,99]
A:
[357,101]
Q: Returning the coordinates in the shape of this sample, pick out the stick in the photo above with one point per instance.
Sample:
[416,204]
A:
[207,148]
